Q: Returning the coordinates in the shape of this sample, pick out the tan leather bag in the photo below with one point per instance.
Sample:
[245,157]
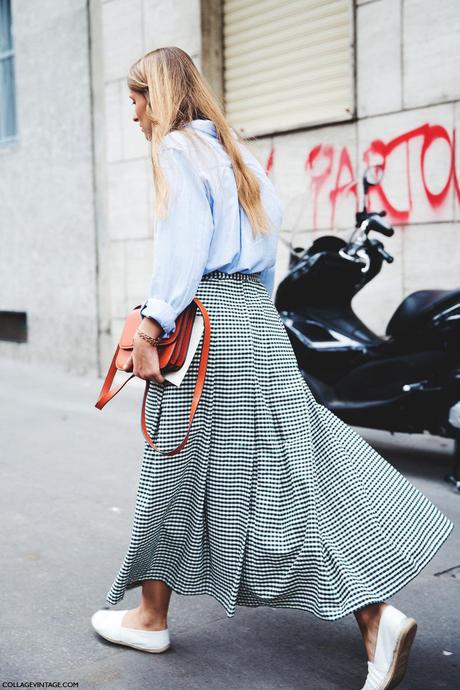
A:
[172,352]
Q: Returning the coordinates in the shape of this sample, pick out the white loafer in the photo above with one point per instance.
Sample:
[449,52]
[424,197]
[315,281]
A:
[394,639]
[108,624]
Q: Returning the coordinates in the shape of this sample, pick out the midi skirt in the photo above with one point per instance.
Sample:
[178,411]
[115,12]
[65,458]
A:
[274,500]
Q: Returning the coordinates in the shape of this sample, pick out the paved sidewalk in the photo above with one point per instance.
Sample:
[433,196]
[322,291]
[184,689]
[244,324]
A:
[69,478]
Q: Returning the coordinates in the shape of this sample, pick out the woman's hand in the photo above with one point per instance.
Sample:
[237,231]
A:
[144,361]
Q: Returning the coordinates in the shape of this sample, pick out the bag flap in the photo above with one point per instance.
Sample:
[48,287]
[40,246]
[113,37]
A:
[127,334]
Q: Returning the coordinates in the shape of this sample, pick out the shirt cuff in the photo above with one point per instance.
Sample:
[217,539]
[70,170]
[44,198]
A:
[162,312]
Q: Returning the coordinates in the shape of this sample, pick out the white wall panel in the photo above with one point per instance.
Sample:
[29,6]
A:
[378,41]
[431,50]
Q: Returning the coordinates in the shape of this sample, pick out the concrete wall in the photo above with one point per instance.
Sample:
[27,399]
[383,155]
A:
[47,231]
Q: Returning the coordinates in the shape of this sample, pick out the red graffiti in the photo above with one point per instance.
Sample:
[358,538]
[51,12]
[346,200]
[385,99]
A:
[270,159]
[429,134]
[320,159]
[350,187]
[331,172]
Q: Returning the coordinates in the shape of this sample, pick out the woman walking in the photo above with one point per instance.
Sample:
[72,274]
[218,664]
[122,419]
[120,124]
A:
[273,501]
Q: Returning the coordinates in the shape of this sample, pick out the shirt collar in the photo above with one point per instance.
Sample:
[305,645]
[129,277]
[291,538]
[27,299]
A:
[207,126]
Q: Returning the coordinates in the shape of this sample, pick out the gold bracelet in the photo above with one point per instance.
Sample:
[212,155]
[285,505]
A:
[150,339]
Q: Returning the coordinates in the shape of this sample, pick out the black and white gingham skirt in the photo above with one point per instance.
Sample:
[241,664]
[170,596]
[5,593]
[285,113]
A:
[274,501]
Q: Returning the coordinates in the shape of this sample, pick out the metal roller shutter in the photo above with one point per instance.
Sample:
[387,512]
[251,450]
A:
[287,63]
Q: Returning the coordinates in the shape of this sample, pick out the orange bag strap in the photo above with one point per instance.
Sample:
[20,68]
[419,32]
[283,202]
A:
[107,393]
[198,385]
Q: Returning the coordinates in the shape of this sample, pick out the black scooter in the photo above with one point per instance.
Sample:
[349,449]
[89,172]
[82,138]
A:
[407,380]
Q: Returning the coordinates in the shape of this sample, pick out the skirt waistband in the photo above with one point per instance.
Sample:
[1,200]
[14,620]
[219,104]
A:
[237,275]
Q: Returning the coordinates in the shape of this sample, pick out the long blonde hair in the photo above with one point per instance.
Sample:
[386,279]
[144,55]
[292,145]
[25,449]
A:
[177,93]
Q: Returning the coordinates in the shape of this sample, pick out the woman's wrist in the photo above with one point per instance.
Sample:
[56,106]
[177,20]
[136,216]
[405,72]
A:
[148,338]
[151,327]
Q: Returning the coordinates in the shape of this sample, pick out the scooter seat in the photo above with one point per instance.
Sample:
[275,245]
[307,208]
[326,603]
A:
[417,307]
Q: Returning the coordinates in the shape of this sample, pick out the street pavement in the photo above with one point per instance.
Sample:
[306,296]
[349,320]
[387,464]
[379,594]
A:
[68,484]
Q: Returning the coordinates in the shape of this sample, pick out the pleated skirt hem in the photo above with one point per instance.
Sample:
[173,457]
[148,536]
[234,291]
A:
[347,608]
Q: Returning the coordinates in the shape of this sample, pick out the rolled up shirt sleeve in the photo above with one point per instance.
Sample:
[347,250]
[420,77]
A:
[181,241]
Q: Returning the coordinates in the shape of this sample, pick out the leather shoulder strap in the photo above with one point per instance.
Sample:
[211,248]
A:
[198,385]
[105,393]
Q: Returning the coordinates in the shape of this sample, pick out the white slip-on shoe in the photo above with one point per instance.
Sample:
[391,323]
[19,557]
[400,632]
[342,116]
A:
[394,640]
[108,624]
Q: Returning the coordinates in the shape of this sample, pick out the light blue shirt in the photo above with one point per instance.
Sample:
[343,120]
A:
[206,229]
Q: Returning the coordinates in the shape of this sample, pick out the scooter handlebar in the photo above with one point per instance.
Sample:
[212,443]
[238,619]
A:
[378,225]
[388,258]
